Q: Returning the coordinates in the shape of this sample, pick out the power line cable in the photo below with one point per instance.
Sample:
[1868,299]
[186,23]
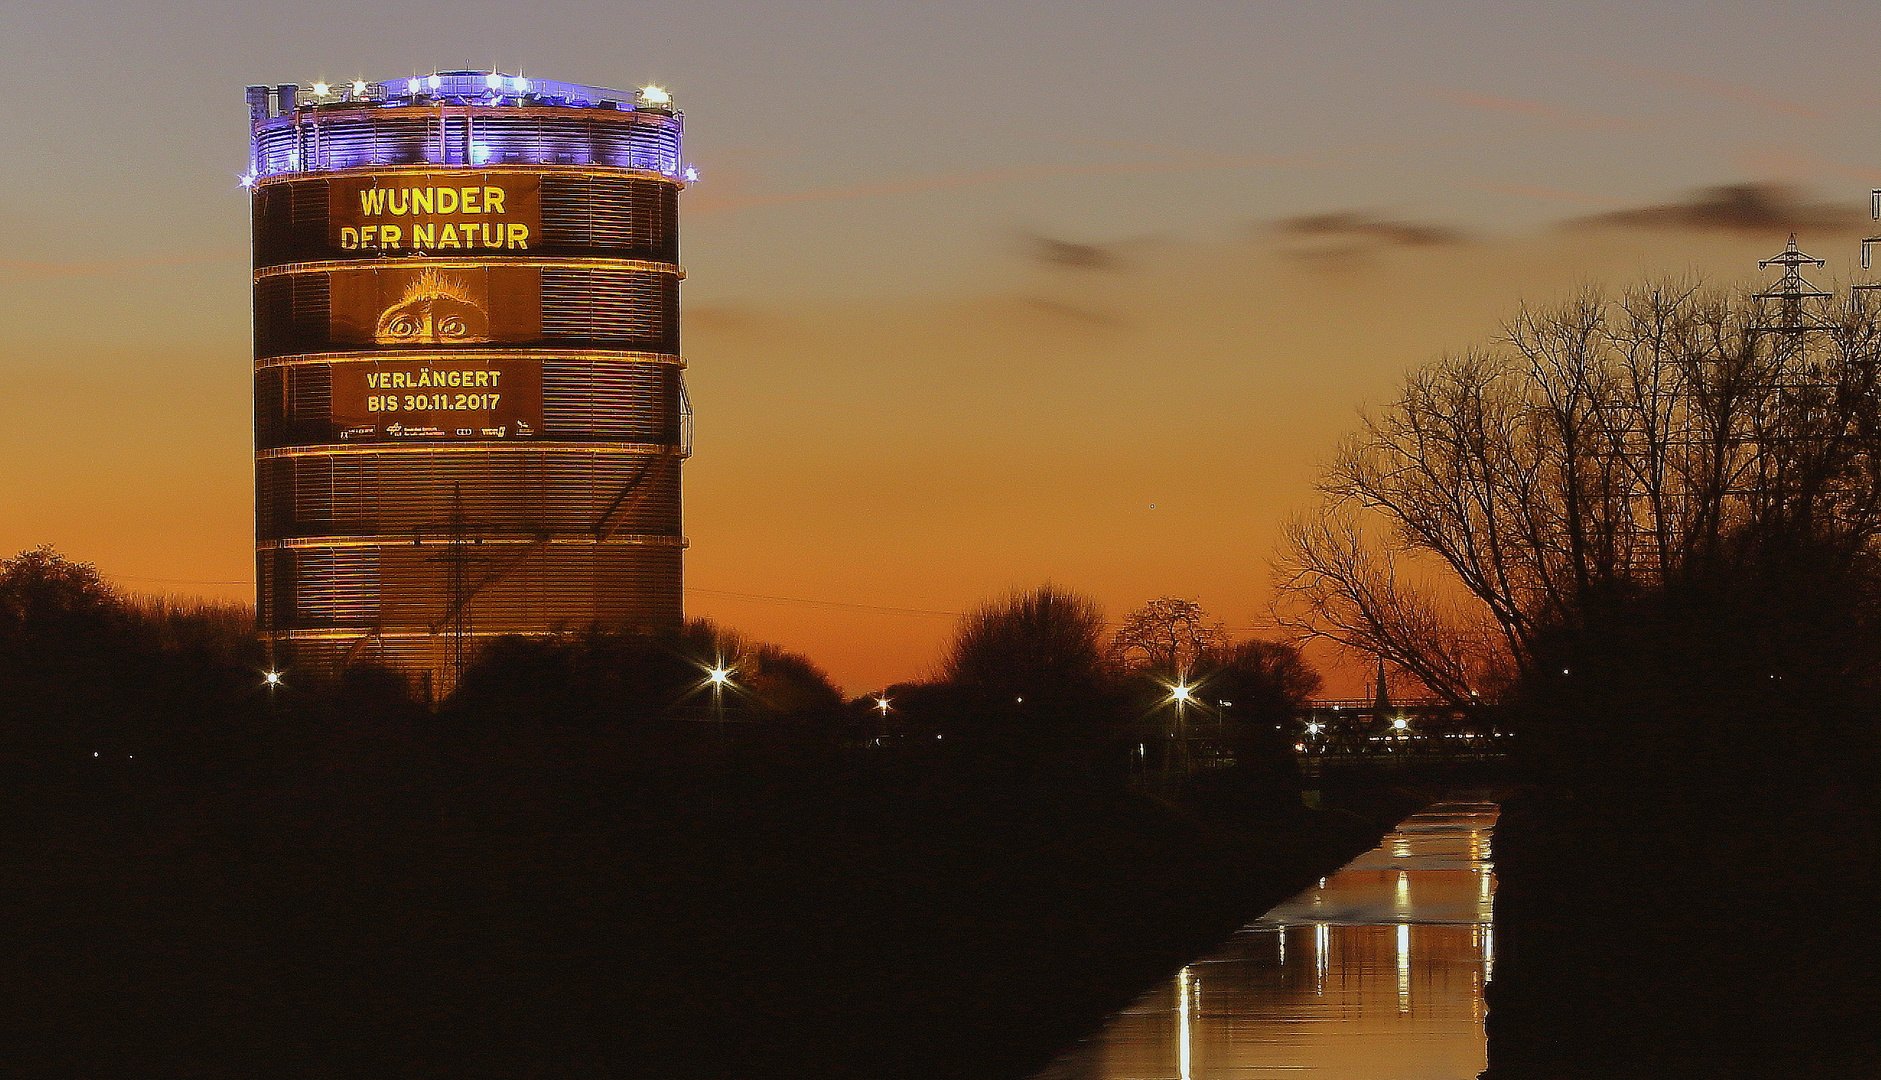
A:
[728,594]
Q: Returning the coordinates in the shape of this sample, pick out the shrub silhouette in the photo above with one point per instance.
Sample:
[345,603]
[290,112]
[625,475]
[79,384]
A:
[90,676]
[603,675]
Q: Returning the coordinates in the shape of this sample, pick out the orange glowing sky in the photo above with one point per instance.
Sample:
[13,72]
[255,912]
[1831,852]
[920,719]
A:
[981,295]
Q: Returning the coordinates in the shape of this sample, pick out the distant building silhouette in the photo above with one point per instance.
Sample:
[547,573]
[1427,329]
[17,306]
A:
[1381,695]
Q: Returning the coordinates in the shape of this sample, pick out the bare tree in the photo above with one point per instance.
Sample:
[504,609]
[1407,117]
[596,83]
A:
[1168,634]
[1600,448]
[1345,588]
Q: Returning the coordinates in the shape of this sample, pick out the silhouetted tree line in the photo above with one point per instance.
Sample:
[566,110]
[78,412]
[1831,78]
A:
[579,865]
[1032,685]
[1034,688]
[1652,520]
[97,683]
[1649,528]
[91,678]
[608,674]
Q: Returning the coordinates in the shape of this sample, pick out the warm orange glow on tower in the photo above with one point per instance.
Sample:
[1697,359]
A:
[469,407]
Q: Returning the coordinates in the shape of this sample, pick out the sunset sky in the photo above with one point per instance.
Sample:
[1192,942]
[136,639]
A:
[980,295]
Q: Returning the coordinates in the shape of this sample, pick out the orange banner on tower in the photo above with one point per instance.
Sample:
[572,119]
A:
[430,306]
[438,399]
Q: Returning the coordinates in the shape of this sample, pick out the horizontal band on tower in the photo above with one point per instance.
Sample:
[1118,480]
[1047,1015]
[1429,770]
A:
[425,262]
[649,449]
[629,356]
[442,539]
[599,171]
[370,633]
[525,588]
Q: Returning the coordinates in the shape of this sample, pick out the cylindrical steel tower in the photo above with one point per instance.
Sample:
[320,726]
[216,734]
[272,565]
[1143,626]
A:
[469,408]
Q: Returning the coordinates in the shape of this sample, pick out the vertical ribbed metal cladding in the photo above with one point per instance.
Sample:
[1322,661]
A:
[470,411]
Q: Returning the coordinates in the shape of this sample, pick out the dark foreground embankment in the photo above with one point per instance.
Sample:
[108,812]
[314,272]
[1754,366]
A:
[1689,932]
[532,912]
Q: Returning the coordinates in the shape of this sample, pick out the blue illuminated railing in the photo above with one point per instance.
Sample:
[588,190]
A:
[364,138]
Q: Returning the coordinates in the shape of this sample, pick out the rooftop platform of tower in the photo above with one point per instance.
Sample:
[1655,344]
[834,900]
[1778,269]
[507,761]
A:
[487,88]
[457,118]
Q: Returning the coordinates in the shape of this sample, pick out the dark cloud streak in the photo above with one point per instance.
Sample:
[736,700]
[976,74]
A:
[1761,207]
[1348,240]
[1070,254]
[1355,225]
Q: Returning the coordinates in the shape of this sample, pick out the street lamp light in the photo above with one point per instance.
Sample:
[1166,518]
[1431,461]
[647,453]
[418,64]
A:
[718,677]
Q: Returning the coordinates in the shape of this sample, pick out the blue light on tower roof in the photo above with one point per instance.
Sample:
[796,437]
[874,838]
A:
[481,87]
[651,142]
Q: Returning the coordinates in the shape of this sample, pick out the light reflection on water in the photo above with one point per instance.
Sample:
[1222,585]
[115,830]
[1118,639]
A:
[1375,974]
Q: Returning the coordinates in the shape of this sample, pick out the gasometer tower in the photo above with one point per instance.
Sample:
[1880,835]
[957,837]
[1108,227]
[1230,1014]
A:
[469,408]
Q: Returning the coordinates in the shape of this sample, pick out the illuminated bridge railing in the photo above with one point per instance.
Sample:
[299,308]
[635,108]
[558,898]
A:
[1423,730]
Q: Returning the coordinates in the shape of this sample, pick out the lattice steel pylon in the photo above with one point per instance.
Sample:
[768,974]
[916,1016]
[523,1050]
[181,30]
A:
[1798,318]
[1794,378]
[1874,211]
[456,562]
[461,555]
[1788,318]
[1803,429]
[1793,294]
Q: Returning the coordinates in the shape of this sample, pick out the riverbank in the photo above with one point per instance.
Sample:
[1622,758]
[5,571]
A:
[1693,932]
[377,916]
[1373,972]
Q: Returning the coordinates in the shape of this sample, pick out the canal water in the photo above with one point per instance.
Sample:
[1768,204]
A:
[1376,973]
